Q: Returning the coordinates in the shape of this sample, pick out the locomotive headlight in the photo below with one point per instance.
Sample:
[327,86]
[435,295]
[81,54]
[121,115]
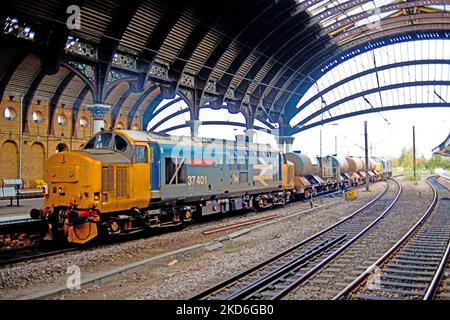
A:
[60,190]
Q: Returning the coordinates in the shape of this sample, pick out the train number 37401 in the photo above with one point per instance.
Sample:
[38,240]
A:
[197,180]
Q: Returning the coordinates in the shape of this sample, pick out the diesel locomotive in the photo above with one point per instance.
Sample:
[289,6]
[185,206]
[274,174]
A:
[124,181]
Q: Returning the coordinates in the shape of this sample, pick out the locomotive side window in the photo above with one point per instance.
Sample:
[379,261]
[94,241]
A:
[175,171]
[120,144]
[141,154]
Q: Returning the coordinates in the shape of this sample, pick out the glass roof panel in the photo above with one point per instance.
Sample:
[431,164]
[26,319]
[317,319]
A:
[180,105]
[174,121]
[440,7]
[429,49]
[342,13]
[208,114]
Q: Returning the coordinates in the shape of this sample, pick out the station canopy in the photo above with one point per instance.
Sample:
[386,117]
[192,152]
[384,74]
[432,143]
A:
[287,64]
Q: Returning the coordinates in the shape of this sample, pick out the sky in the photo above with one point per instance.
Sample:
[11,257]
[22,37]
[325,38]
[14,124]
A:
[431,126]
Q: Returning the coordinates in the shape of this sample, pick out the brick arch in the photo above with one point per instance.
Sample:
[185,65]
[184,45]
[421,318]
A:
[9,158]
[36,168]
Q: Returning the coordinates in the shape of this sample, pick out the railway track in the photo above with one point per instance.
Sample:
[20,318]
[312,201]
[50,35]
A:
[109,275]
[279,275]
[414,267]
[20,254]
[36,252]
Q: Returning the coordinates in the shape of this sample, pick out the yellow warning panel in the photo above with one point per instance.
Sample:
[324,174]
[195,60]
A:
[350,195]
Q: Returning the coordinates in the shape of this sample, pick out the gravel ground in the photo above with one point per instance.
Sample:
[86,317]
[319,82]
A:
[183,275]
[412,204]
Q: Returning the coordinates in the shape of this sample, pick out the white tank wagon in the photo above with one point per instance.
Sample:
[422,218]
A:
[333,171]
[306,171]
[355,167]
[355,164]
[371,164]
[302,163]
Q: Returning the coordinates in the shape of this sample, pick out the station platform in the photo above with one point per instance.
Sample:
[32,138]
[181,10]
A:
[14,212]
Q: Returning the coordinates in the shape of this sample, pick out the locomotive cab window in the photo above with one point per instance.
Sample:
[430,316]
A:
[120,144]
[102,141]
[90,144]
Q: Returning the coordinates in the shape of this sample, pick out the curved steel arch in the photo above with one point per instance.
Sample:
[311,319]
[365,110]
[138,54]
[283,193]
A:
[138,103]
[443,148]
[206,123]
[8,72]
[233,34]
[76,108]
[28,98]
[148,114]
[366,72]
[370,91]
[55,99]
[162,121]
[371,110]
[230,123]
[119,104]
[330,51]
[254,39]
[333,52]
[83,77]
[167,105]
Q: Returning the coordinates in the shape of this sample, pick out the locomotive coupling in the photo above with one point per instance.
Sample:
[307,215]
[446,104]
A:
[77,217]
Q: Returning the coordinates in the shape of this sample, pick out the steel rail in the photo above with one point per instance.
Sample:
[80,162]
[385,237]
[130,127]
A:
[135,266]
[438,275]
[204,294]
[16,256]
[10,257]
[363,277]
[324,262]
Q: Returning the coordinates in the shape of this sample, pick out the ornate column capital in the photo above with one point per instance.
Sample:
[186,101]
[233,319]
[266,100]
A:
[98,112]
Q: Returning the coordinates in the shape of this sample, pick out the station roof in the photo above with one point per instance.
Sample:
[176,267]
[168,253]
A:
[260,56]
[444,148]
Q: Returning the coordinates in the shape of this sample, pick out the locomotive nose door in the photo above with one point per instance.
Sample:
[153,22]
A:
[155,155]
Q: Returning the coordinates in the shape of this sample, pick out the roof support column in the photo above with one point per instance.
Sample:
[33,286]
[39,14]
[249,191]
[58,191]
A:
[285,143]
[250,134]
[98,112]
[194,125]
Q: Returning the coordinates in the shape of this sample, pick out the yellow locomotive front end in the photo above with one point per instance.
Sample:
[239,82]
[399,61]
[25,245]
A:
[72,179]
[72,197]
[90,191]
